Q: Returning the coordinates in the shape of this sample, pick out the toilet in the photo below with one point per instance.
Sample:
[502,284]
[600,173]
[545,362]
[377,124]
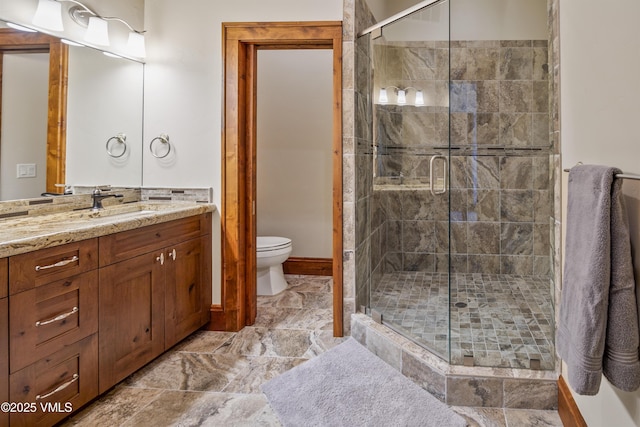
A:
[271,252]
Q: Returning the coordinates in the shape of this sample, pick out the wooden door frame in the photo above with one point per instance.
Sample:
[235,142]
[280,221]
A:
[22,42]
[241,41]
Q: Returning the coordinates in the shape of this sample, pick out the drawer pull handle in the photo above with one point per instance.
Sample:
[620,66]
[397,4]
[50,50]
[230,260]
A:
[172,254]
[58,264]
[57,318]
[59,388]
[160,258]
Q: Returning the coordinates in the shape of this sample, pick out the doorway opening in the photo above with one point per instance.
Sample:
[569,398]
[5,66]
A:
[241,42]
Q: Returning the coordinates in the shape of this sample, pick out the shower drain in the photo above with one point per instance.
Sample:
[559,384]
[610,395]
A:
[461,304]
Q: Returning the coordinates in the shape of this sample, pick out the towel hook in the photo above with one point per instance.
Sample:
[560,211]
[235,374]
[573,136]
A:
[164,140]
[120,138]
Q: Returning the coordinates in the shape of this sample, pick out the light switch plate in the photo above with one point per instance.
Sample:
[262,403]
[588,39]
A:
[26,170]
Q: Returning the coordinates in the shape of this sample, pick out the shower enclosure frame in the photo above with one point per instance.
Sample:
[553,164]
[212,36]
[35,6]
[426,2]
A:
[376,31]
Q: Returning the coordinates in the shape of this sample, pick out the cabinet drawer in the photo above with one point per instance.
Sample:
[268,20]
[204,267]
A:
[40,267]
[128,244]
[68,378]
[49,317]
[4,277]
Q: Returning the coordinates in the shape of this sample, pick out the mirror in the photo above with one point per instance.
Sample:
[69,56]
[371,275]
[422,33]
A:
[100,112]
[104,120]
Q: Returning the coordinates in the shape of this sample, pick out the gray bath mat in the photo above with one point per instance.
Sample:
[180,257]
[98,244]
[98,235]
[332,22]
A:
[349,386]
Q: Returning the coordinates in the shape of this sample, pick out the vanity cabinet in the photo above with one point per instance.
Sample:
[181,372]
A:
[4,338]
[77,318]
[53,312]
[155,289]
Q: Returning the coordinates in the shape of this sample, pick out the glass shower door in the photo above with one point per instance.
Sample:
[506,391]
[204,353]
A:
[454,191]
[500,189]
[408,232]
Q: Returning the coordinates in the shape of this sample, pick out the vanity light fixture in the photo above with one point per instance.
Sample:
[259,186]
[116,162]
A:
[49,16]
[97,31]
[401,99]
[135,44]
[402,96]
[383,98]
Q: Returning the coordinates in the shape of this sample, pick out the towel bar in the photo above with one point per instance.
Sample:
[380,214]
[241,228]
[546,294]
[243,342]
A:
[620,175]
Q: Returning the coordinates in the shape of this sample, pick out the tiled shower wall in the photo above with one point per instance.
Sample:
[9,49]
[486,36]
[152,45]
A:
[498,99]
[500,187]
[500,210]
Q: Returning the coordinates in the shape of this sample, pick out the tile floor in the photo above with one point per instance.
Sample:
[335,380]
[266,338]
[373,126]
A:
[214,378]
[501,320]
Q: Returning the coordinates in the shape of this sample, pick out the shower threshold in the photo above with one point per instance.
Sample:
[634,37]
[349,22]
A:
[474,386]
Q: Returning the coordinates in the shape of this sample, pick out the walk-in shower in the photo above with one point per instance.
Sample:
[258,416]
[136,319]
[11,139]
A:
[454,190]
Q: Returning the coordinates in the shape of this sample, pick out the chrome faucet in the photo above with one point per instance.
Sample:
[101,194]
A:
[97,198]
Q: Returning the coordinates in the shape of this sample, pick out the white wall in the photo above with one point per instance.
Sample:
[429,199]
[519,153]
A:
[104,98]
[600,64]
[499,20]
[25,94]
[382,9]
[474,20]
[183,85]
[295,170]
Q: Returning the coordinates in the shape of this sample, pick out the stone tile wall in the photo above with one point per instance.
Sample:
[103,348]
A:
[495,113]
[500,210]
[498,98]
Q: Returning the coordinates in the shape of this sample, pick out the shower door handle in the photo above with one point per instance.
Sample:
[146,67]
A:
[444,177]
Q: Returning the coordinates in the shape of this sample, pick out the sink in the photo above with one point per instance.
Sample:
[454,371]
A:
[115,213]
[119,215]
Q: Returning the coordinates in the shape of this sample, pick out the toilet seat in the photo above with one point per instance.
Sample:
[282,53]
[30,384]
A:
[272,243]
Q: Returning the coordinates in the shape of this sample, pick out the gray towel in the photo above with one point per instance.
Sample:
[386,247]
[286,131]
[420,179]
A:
[598,324]
[621,361]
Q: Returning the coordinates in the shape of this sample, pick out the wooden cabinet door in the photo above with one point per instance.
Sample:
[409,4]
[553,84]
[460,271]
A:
[131,316]
[188,288]
[4,358]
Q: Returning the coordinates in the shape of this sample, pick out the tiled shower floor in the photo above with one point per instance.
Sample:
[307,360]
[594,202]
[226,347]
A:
[506,320]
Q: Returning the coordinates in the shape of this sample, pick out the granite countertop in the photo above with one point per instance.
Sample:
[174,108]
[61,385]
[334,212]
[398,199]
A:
[28,233]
